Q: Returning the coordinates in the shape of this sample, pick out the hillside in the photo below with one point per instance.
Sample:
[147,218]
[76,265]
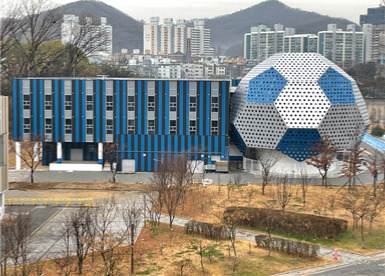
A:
[227,30]
[127,32]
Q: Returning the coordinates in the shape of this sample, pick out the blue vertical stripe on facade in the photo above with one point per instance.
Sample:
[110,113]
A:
[129,147]
[77,109]
[209,149]
[34,107]
[145,108]
[156,155]
[136,151]
[139,126]
[149,154]
[196,147]
[117,107]
[142,157]
[97,111]
[16,112]
[208,107]
[216,142]
[84,120]
[56,110]
[183,145]
[62,130]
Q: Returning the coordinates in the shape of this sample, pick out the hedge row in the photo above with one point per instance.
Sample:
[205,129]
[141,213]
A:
[290,223]
[296,248]
[207,230]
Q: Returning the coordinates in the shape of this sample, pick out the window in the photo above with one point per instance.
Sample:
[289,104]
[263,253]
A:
[68,126]
[110,126]
[26,102]
[193,104]
[130,126]
[68,102]
[110,103]
[193,127]
[214,127]
[48,102]
[173,128]
[27,125]
[214,104]
[151,127]
[48,126]
[89,102]
[173,103]
[131,103]
[90,126]
[151,103]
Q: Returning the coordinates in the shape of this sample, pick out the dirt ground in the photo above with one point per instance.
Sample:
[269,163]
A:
[161,252]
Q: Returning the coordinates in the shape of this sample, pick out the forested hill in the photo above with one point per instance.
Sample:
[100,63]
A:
[227,30]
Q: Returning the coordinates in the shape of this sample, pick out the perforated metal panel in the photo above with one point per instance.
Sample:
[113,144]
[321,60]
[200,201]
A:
[290,100]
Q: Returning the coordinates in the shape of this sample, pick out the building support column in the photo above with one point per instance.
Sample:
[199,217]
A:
[36,152]
[244,163]
[18,159]
[59,152]
[100,153]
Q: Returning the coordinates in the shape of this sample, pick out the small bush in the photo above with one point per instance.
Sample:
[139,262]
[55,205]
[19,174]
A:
[296,248]
[290,223]
[207,230]
[377,131]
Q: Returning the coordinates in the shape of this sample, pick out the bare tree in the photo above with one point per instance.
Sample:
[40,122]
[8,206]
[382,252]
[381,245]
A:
[382,166]
[377,206]
[269,222]
[131,216]
[64,261]
[324,159]
[284,191]
[31,153]
[110,155]
[350,203]
[15,246]
[267,162]
[351,166]
[305,180]
[374,167]
[199,249]
[84,39]
[81,227]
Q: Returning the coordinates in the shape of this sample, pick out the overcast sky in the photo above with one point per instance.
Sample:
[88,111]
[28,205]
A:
[188,9]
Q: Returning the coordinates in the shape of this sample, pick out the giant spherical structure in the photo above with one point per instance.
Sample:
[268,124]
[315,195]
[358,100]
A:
[289,101]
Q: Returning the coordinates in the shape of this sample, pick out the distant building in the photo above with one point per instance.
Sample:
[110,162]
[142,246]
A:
[192,71]
[169,38]
[302,43]
[88,34]
[341,46]
[3,151]
[373,26]
[262,42]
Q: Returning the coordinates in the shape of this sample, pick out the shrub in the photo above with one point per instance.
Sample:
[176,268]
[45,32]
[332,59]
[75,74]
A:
[207,230]
[296,248]
[377,131]
[290,223]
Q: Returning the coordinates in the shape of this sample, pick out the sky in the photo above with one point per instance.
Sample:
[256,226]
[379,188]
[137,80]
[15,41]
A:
[189,9]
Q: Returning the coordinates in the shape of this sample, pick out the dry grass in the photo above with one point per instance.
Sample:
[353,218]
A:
[208,203]
[159,253]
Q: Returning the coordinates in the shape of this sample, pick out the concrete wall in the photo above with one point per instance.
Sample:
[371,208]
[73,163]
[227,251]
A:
[3,151]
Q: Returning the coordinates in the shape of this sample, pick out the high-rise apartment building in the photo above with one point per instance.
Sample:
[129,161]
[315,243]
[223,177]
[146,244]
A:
[263,42]
[341,46]
[169,38]
[88,34]
[302,43]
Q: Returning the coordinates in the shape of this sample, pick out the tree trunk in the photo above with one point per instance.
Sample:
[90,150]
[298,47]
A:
[362,232]
[375,186]
[32,180]
[370,224]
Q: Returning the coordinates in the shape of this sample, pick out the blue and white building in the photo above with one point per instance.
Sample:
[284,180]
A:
[147,118]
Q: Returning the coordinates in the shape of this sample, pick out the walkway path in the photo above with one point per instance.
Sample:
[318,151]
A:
[345,259]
